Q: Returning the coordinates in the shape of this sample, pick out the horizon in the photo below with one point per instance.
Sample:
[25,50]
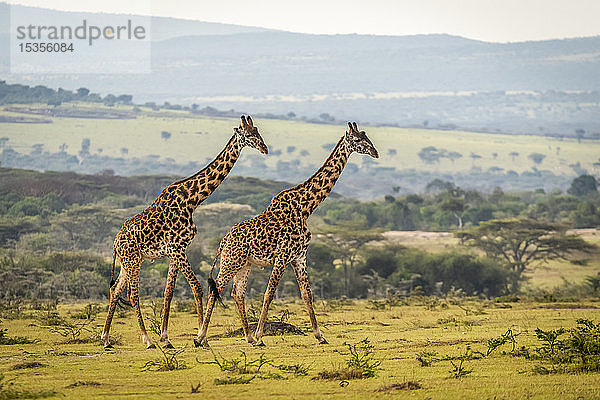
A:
[473,22]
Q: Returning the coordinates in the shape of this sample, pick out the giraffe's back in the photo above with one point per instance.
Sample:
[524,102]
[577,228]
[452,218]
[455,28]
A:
[154,231]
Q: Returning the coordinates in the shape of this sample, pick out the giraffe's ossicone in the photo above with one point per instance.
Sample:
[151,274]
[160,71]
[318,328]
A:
[279,236]
[166,228]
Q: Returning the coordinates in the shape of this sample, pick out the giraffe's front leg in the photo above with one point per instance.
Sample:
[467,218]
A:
[302,278]
[278,270]
[134,297]
[169,290]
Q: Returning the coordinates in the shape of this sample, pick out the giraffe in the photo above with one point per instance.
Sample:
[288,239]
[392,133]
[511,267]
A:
[280,236]
[166,228]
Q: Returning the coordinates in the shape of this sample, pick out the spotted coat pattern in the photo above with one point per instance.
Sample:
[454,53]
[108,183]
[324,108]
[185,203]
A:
[280,236]
[166,228]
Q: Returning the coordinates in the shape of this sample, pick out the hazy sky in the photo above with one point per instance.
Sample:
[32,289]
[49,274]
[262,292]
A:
[489,20]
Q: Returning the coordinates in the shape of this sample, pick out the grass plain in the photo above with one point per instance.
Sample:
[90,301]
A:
[195,137]
[397,332]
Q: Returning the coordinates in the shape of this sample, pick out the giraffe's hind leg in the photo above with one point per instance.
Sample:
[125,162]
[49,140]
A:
[302,278]
[169,289]
[238,292]
[115,293]
[278,270]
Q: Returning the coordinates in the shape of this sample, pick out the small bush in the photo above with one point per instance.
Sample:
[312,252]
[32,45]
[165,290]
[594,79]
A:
[579,352]
[239,365]
[360,363]
[168,361]
[27,365]
[426,358]
[234,380]
[8,340]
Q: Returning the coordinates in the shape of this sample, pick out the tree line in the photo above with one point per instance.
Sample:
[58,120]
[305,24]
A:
[56,233]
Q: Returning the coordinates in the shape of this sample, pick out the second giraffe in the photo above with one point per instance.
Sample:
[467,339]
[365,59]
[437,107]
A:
[280,236]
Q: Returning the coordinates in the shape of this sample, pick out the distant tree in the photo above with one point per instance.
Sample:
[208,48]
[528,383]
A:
[125,99]
[82,92]
[124,150]
[513,155]
[474,157]
[291,149]
[495,155]
[414,199]
[345,241]
[3,141]
[580,133]
[455,205]
[195,106]
[520,243]
[291,115]
[536,157]
[431,154]
[37,149]
[453,156]
[85,148]
[54,102]
[438,185]
[583,185]
[326,117]
[304,153]
[109,99]
[165,135]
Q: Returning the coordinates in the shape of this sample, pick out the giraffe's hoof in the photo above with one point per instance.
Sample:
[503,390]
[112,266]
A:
[259,344]
[169,346]
[151,346]
[108,347]
[201,343]
[323,341]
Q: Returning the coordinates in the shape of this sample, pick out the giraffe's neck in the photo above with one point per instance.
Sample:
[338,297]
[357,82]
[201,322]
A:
[317,187]
[199,186]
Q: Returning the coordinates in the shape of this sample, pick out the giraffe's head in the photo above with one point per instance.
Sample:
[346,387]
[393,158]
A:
[247,135]
[359,142]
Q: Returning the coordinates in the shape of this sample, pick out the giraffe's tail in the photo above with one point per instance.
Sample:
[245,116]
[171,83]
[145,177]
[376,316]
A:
[112,274]
[212,285]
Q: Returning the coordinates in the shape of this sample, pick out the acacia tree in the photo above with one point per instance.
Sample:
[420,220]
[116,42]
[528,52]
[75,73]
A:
[521,243]
[344,241]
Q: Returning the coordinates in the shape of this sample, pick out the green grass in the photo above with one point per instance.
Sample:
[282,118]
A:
[142,137]
[397,334]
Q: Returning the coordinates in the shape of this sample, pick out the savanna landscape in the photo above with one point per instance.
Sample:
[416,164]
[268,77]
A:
[408,307]
[457,256]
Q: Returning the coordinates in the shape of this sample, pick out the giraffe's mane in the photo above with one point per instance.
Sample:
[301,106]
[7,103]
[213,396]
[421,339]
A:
[203,170]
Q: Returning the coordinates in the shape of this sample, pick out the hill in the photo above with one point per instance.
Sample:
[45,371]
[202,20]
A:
[425,79]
